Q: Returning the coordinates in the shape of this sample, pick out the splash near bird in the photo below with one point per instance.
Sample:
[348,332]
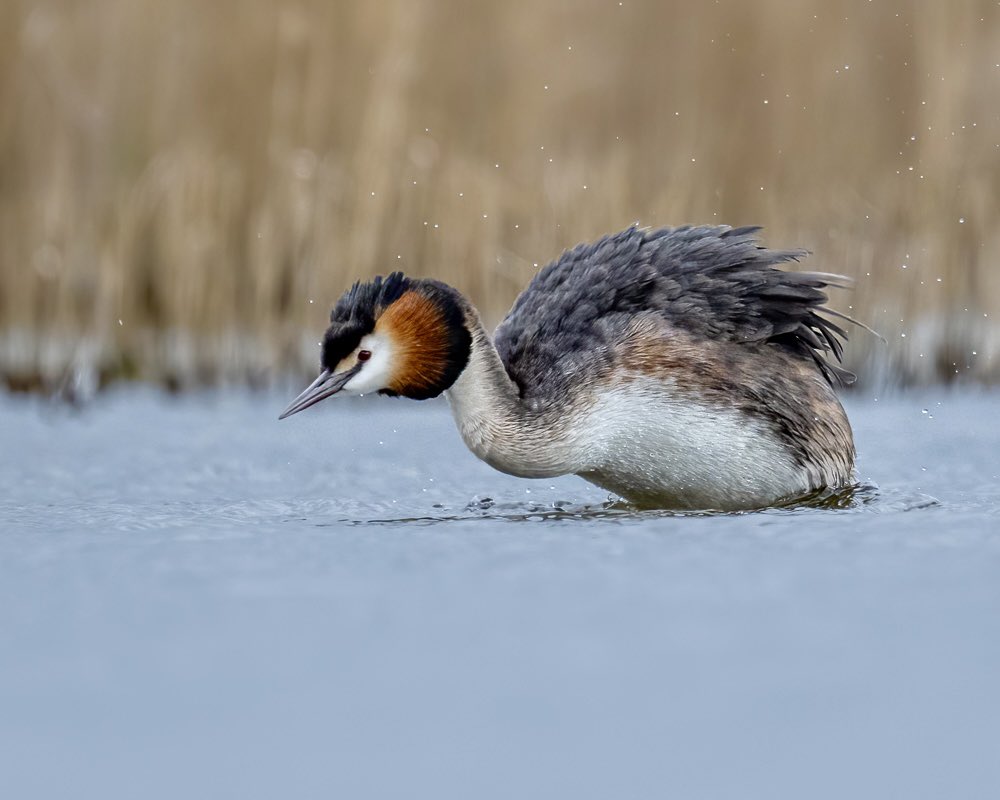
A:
[678,368]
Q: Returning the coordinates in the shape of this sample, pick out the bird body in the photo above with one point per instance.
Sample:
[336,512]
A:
[678,368]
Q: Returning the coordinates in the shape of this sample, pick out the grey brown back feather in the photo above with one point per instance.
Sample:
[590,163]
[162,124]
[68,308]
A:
[713,282]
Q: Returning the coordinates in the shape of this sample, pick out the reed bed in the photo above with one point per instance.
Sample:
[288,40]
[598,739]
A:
[186,187]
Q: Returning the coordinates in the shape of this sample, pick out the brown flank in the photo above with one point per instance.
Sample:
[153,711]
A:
[784,390]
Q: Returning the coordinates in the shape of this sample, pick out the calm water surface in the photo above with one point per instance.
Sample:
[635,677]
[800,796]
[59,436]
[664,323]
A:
[198,601]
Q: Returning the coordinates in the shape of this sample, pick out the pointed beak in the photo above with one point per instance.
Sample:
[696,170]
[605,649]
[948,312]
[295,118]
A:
[325,385]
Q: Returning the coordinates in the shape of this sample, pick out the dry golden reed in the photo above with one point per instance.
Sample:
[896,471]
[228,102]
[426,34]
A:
[187,186]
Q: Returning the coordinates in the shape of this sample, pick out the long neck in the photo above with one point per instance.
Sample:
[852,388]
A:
[493,421]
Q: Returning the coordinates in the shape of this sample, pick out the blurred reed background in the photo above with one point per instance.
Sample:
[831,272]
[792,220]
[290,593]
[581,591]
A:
[186,187]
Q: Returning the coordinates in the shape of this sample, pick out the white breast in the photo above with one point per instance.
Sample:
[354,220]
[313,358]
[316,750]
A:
[642,441]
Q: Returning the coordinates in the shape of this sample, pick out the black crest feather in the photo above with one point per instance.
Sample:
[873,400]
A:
[355,313]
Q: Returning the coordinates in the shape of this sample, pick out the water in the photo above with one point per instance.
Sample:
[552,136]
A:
[198,601]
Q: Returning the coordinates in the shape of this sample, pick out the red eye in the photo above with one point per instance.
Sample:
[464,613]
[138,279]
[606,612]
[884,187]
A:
[364,355]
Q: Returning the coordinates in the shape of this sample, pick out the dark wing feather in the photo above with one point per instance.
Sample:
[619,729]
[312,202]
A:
[713,282]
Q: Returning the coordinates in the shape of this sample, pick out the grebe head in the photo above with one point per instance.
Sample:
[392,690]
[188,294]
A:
[394,336]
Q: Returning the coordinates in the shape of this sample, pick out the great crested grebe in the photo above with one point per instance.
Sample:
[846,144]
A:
[677,368]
